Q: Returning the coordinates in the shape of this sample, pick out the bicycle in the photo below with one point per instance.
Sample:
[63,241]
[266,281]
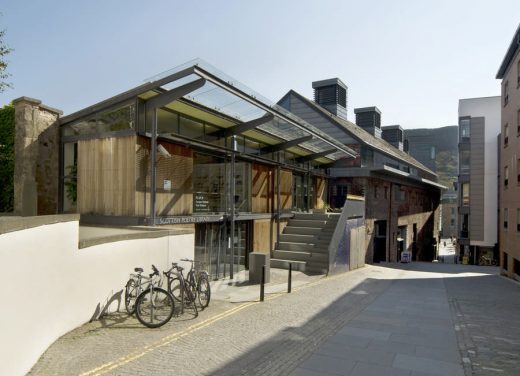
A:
[487,261]
[198,282]
[133,288]
[154,306]
[180,289]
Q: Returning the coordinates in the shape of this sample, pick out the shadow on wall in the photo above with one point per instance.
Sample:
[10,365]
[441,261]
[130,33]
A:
[100,312]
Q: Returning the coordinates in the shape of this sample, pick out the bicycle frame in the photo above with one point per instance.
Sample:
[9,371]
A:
[184,290]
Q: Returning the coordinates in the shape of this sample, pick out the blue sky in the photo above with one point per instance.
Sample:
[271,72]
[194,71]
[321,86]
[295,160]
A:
[411,59]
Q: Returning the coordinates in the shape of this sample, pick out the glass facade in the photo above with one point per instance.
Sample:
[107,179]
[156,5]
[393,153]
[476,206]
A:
[113,120]
[213,247]
[211,182]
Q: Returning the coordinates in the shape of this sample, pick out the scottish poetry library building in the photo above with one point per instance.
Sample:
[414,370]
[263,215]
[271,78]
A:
[193,147]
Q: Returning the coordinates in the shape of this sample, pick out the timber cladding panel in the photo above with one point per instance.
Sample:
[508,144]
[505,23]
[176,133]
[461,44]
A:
[262,188]
[320,192]
[286,183]
[106,176]
[264,235]
[174,185]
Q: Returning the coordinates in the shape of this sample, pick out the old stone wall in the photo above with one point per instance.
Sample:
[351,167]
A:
[36,172]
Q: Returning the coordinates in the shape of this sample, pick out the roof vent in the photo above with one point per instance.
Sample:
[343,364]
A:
[369,118]
[331,94]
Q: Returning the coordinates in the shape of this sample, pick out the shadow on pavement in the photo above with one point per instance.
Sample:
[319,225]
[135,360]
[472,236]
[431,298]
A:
[480,305]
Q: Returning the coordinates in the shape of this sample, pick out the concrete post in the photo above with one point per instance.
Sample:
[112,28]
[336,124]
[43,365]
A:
[36,153]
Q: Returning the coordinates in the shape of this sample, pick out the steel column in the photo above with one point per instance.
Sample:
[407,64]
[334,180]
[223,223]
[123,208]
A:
[153,167]
[278,211]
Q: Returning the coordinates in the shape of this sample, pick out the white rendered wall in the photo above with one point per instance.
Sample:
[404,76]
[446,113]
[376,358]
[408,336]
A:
[51,287]
[490,109]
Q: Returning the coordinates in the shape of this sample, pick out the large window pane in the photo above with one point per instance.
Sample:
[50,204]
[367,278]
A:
[114,120]
[167,122]
[464,161]
[190,128]
[209,184]
[464,128]
[465,194]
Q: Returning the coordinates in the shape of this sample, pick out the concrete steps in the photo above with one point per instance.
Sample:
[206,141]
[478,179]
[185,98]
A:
[302,230]
[304,243]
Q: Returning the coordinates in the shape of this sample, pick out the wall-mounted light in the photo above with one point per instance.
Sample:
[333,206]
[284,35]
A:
[162,151]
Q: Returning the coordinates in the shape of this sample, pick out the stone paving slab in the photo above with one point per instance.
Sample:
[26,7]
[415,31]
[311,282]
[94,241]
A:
[394,334]
[373,321]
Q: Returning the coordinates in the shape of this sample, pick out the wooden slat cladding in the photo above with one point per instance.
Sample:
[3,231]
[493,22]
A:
[176,168]
[106,176]
[263,188]
[286,183]
[321,192]
[264,235]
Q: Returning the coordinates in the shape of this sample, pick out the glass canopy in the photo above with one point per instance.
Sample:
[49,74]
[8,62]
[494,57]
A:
[236,101]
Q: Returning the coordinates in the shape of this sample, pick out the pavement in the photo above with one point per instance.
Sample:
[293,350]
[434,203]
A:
[390,319]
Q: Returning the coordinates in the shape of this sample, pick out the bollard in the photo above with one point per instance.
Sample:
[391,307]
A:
[289,282]
[262,281]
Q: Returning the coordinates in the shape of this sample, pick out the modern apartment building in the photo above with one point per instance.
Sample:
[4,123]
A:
[509,183]
[479,125]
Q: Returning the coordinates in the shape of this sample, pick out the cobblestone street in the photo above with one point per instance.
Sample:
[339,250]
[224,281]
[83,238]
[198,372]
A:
[415,319]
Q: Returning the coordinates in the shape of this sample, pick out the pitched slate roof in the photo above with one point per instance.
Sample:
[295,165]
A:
[363,136]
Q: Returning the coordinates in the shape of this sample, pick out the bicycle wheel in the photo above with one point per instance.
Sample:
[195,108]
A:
[204,292]
[154,309]
[130,296]
[174,287]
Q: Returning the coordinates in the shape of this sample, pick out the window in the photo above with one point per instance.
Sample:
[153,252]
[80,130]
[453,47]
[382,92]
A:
[464,228]
[452,211]
[464,128]
[518,170]
[506,216]
[432,152]
[452,222]
[464,160]
[504,261]
[518,123]
[465,194]
[518,220]
[506,134]
[506,176]
[506,93]
[518,74]
[190,128]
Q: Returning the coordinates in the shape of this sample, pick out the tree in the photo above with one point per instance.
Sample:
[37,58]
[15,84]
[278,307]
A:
[6,158]
[4,51]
